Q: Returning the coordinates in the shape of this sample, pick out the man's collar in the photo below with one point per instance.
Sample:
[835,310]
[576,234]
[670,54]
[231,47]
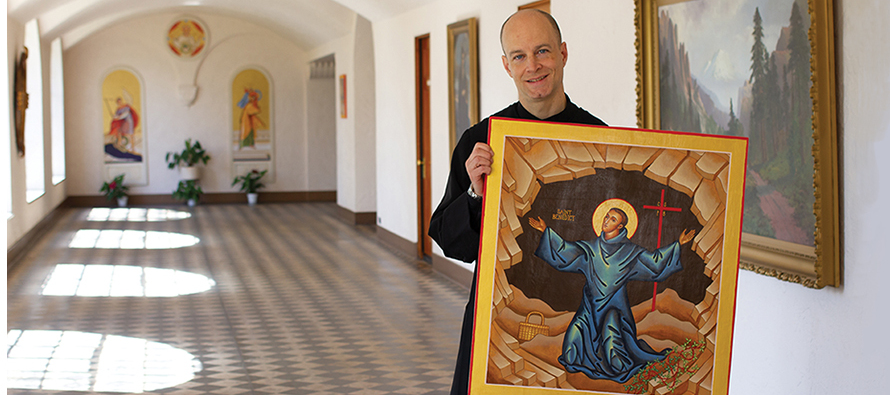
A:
[527,114]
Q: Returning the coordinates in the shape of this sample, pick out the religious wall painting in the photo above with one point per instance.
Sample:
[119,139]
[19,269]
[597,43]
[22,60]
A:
[463,78]
[252,134]
[20,102]
[342,94]
[122,117]
[753,75]
[666,210]
[187,37]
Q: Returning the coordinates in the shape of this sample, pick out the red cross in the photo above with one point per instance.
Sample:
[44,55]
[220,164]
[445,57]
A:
[661,211]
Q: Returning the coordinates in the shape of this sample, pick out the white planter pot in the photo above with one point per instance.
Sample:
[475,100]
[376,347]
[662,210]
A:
[192,202]
[122,201]
[251,198]
[190,173]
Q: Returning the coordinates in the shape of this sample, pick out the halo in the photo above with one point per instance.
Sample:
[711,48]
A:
[609,204]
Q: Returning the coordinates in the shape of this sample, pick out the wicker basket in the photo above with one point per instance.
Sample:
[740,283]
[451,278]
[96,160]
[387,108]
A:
[528,331]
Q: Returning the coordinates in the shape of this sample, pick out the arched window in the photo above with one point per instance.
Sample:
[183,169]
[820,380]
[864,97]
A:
[35,171]
[57,107]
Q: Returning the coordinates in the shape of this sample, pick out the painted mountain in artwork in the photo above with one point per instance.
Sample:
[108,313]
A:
[772,108]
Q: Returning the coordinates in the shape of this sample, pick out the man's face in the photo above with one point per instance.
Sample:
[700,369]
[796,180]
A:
[612,221]
[533,57]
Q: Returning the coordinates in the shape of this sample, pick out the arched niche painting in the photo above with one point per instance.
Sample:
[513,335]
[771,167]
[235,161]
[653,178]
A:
[608,260]
[122,117]
[252,138]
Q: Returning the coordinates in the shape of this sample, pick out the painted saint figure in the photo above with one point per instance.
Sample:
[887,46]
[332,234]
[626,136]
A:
[123,125]
[250,120]
[601,340]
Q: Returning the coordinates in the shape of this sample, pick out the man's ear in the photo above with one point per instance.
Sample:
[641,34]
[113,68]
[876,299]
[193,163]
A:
[506,65]
[565,53]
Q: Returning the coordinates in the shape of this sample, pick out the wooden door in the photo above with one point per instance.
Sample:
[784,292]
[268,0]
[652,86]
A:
[422,87]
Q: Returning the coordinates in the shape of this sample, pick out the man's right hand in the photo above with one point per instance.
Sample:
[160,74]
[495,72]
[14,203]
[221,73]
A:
[479,166]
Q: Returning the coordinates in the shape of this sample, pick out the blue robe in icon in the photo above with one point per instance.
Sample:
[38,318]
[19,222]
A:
[601,340]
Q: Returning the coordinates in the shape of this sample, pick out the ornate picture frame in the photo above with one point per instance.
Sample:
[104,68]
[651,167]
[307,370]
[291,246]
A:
[815,259]
[20,100]
[463,78]
[558,283]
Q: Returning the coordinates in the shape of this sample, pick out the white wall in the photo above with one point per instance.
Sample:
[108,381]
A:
[788,339]
[321,127]
[356,164]
[363,111]
[27,215]
[598,74]
[139,45]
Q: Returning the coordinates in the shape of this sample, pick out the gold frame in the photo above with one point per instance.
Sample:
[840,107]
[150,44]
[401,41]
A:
[538,153]
[809,266]
[468,26]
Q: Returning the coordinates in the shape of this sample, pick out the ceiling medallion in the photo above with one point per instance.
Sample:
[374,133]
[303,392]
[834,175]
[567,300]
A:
[187,37]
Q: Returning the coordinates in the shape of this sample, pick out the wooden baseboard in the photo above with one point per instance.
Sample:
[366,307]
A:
[353,218]
[207,198]
[455,272]
[27,241]
[444,266]
[397,242]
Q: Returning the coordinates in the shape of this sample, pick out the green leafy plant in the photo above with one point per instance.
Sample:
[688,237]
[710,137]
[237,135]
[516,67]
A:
[671,371]
[190,155]
[250,182]
[188,190]
[115,189]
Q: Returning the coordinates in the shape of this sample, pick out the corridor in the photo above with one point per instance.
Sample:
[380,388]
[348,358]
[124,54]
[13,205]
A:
[226,299]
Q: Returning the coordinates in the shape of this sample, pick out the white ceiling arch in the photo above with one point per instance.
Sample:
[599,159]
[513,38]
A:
[308,23]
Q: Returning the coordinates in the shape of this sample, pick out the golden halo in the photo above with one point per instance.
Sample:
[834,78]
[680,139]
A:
[607,205]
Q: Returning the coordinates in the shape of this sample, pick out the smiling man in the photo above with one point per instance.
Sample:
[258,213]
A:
[534,57]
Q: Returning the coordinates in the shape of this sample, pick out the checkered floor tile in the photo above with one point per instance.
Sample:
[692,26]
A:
[301,303]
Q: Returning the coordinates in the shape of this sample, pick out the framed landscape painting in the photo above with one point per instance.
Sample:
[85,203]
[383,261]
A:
[763,70]
[608,261]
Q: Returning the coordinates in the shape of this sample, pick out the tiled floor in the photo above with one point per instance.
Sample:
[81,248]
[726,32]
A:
[272,299]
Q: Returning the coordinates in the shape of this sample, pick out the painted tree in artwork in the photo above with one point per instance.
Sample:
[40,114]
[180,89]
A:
[759,69]
[800,129]
[735,127]
[759,54]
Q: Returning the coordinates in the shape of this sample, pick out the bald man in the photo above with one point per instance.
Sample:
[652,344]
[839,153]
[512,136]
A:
[534,57]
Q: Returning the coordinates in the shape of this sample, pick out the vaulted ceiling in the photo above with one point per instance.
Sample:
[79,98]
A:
[308,23]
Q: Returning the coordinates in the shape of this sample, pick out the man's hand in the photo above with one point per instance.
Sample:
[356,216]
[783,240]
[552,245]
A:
[479,166]
[537,224]
[686,237]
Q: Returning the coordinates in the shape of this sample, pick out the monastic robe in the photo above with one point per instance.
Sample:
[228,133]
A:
[601,340]
[456,222]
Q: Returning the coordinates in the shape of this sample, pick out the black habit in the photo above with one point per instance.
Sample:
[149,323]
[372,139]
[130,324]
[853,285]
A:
[456,222]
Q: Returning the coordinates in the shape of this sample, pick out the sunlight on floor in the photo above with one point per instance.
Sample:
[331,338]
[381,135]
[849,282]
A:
[131,239]
[80,361]
[122,281]
[135,214]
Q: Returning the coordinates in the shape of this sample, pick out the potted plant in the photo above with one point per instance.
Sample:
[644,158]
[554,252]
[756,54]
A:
[250,183]
[188,190]
[187,159]
[116,190]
